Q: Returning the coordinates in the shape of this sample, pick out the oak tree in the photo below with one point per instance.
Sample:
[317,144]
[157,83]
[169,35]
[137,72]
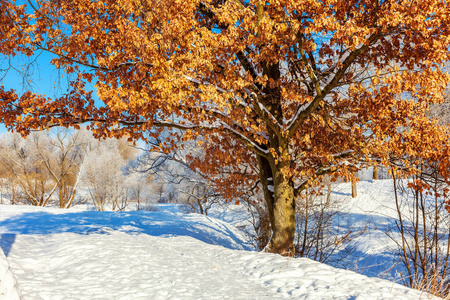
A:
[296,88]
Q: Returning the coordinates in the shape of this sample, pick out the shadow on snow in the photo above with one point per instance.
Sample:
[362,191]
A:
[162,224]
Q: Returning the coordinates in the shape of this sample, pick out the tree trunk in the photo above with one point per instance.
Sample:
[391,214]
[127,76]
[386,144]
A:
[375,172]
[61,195]
[354,193]
[275,171]
[200,206]
[266,180]
[280,199]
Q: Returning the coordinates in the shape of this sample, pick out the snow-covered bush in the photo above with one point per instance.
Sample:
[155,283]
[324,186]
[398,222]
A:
[42,168]
[139,190]
[52,167]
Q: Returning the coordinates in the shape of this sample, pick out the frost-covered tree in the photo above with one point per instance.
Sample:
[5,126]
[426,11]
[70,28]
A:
[102,173]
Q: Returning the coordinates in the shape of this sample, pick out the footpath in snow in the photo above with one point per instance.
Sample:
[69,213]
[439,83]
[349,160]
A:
[82,254]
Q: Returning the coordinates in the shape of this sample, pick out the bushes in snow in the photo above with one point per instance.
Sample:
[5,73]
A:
[52,167]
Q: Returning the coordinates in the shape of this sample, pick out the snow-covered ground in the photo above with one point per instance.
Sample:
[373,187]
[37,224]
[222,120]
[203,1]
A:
[9,288]
[84,254]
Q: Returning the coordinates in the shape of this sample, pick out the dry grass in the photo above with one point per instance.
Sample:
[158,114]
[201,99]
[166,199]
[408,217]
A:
[433,284]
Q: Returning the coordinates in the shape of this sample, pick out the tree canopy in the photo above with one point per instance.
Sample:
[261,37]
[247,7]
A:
[281,92]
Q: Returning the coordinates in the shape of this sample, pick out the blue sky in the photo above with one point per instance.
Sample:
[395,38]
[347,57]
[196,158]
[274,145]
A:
[42,77]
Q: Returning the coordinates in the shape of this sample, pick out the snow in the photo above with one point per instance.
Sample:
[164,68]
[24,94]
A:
[9,289]
[371,213]
[84,254]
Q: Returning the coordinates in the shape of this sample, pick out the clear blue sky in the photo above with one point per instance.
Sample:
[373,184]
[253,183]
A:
[43,77]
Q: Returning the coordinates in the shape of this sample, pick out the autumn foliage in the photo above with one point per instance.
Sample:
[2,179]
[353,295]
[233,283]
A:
[280,92]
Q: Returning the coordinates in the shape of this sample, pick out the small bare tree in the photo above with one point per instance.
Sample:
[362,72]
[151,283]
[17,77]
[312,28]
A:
[63,165]
[24,164]
[424,227]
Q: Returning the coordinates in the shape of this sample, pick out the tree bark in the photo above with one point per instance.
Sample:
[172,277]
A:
[354,193]
[266,179]
[375,172]
[279,196]
[283,228]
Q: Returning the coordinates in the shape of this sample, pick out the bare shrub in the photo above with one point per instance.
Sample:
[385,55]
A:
[424,226]
[260,222]
[317,237]
[61,153]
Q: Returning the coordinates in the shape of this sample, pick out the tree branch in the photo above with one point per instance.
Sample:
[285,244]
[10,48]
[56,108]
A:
[305,110]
